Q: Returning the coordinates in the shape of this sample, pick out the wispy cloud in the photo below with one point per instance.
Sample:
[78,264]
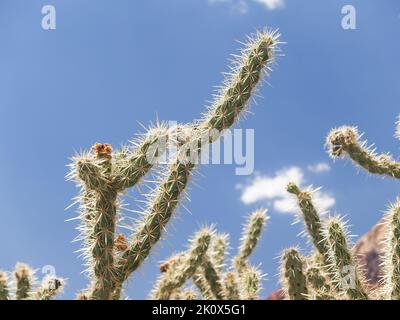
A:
[272,4]
[272,189]
[242,6]
[320,167]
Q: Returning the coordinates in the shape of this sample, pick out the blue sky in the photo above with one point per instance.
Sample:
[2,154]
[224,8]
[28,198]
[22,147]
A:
[112,64]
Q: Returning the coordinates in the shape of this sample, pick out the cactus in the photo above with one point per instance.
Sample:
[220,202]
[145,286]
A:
[292,274]
[251,281]
[347,140]
[231,287]
[342,262]
[175,277]
[318,284]
[24,278]
[50,287]
[250,237]
[4,291]
[25,285]
[209,277]
[104,175]
[392,254]
[213,278]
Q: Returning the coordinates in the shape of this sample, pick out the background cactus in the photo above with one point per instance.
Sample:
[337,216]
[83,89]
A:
[241,281]
[25,286]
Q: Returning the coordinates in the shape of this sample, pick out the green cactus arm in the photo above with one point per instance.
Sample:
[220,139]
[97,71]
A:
[202,285]
[250,237]
[319,285]
[217,252]
[88,170]
[175,277]
[4,289]
[100,236]
[292,275]
[239,85]
[213,278]
[231,287]
[217,257]
[224,112]
[310,216]
[24,278]
[344,269]
[391,261]
[50,287]
[156,218]
[131,165]
[346,140]
[251,282]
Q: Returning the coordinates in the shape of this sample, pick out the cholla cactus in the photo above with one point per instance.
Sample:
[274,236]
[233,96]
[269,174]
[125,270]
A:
[311,217]
[103,176]
[391,262]
[292,274]
[180,271]
[346,275]
[318,285]
[4,290]
[347,140]
[25,285]
[251,235]
[50,287]
[210,279]
[24,278]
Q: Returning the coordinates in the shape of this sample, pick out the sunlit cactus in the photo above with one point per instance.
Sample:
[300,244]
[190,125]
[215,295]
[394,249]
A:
[176,275]
[347,141]
[250,237]
[49,288]
[292,275]
[25,287]
[344,268]
[212,280]
[24,278]
[104,175]
[4,289]
[391,261]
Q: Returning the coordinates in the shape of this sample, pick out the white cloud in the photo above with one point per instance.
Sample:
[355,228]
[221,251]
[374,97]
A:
[242,6]
[272,4]
[319,167]
[272,189]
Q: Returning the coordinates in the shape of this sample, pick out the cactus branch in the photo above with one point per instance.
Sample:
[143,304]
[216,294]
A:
[4,289]
[24,279]
[391,262]
[175,277]
[251,236]
[346,140]
[345,271]
[293,278]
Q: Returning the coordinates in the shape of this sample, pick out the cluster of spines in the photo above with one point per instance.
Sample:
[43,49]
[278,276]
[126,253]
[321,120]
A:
[292,275]
[104,175]
[209,277]
[24,286]
[332,272]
